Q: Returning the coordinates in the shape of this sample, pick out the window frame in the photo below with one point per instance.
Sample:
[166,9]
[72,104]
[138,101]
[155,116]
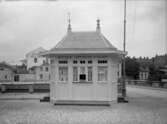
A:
[105,76]
[35,60]
[41,76]
[76,74]
[46,69]
[84,73]
[62,62]
[63,81]
[91,73]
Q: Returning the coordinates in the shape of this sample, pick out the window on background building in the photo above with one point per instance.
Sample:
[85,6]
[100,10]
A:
[90,73]
[51,61]
[63,73]
[75,73]
[16,78]
[102,73]
[41,68]
[46,69]
[145,75]
[41,76]
[49,76]
[44,61]
[35,60]
[6,76]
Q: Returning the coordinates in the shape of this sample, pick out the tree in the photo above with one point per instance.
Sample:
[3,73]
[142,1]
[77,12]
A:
[132,67]
[155,73]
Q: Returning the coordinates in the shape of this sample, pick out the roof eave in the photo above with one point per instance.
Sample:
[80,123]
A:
[48,53]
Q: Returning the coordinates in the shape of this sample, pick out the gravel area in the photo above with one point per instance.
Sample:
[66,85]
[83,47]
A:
[144,107]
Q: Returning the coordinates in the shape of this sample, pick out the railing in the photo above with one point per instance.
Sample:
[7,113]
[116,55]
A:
[147,83]
[27,86]
[24,82]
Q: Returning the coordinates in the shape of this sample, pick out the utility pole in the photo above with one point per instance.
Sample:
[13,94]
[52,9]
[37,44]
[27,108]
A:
[124,49]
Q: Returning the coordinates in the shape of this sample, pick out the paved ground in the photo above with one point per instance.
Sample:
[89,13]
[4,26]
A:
[146,106]
[22,96]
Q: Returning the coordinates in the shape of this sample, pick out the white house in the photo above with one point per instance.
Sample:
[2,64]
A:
[42,72]
[85,68]
[34,59]
[143,73]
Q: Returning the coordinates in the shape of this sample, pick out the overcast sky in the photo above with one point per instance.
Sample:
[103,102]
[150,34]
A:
[27,25]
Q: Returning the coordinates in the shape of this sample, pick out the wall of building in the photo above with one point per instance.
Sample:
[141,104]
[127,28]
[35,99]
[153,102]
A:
[26,77]
[95,90]
[42,73]
[143,75]
[31,61]
[6,74]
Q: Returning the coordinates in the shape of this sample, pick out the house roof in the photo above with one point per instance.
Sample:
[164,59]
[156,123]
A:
[35,52]
[84,40]
[20,69]
[5,65]
[83,43]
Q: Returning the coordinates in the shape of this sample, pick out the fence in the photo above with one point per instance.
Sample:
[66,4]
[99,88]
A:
[25,87]
[162,84]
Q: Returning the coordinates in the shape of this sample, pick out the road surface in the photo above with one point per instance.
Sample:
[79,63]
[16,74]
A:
[145,106]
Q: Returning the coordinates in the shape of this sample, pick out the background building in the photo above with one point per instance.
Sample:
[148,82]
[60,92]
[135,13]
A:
[143,73]
[7,72]
[33,58]
[42,72]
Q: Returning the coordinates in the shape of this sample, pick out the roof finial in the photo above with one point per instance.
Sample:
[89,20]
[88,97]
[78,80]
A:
[69,22]
[98,25]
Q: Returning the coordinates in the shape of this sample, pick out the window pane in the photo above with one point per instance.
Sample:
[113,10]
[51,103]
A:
[90,62]
[35,60]
[46,69]
[75,74]
[41,76]
[89,73]
[75,62]
[102,73]
[82,77]
[63,74]
[41,68]
[82,70]
[82,61]
[102,61]
[63,62]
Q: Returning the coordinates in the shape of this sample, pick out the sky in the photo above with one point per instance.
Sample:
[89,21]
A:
[27,25]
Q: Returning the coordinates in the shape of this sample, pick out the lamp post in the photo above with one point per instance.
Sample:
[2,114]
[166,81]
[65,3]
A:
[124,49]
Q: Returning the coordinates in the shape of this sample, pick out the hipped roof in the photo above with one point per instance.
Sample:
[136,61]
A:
[83,43]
